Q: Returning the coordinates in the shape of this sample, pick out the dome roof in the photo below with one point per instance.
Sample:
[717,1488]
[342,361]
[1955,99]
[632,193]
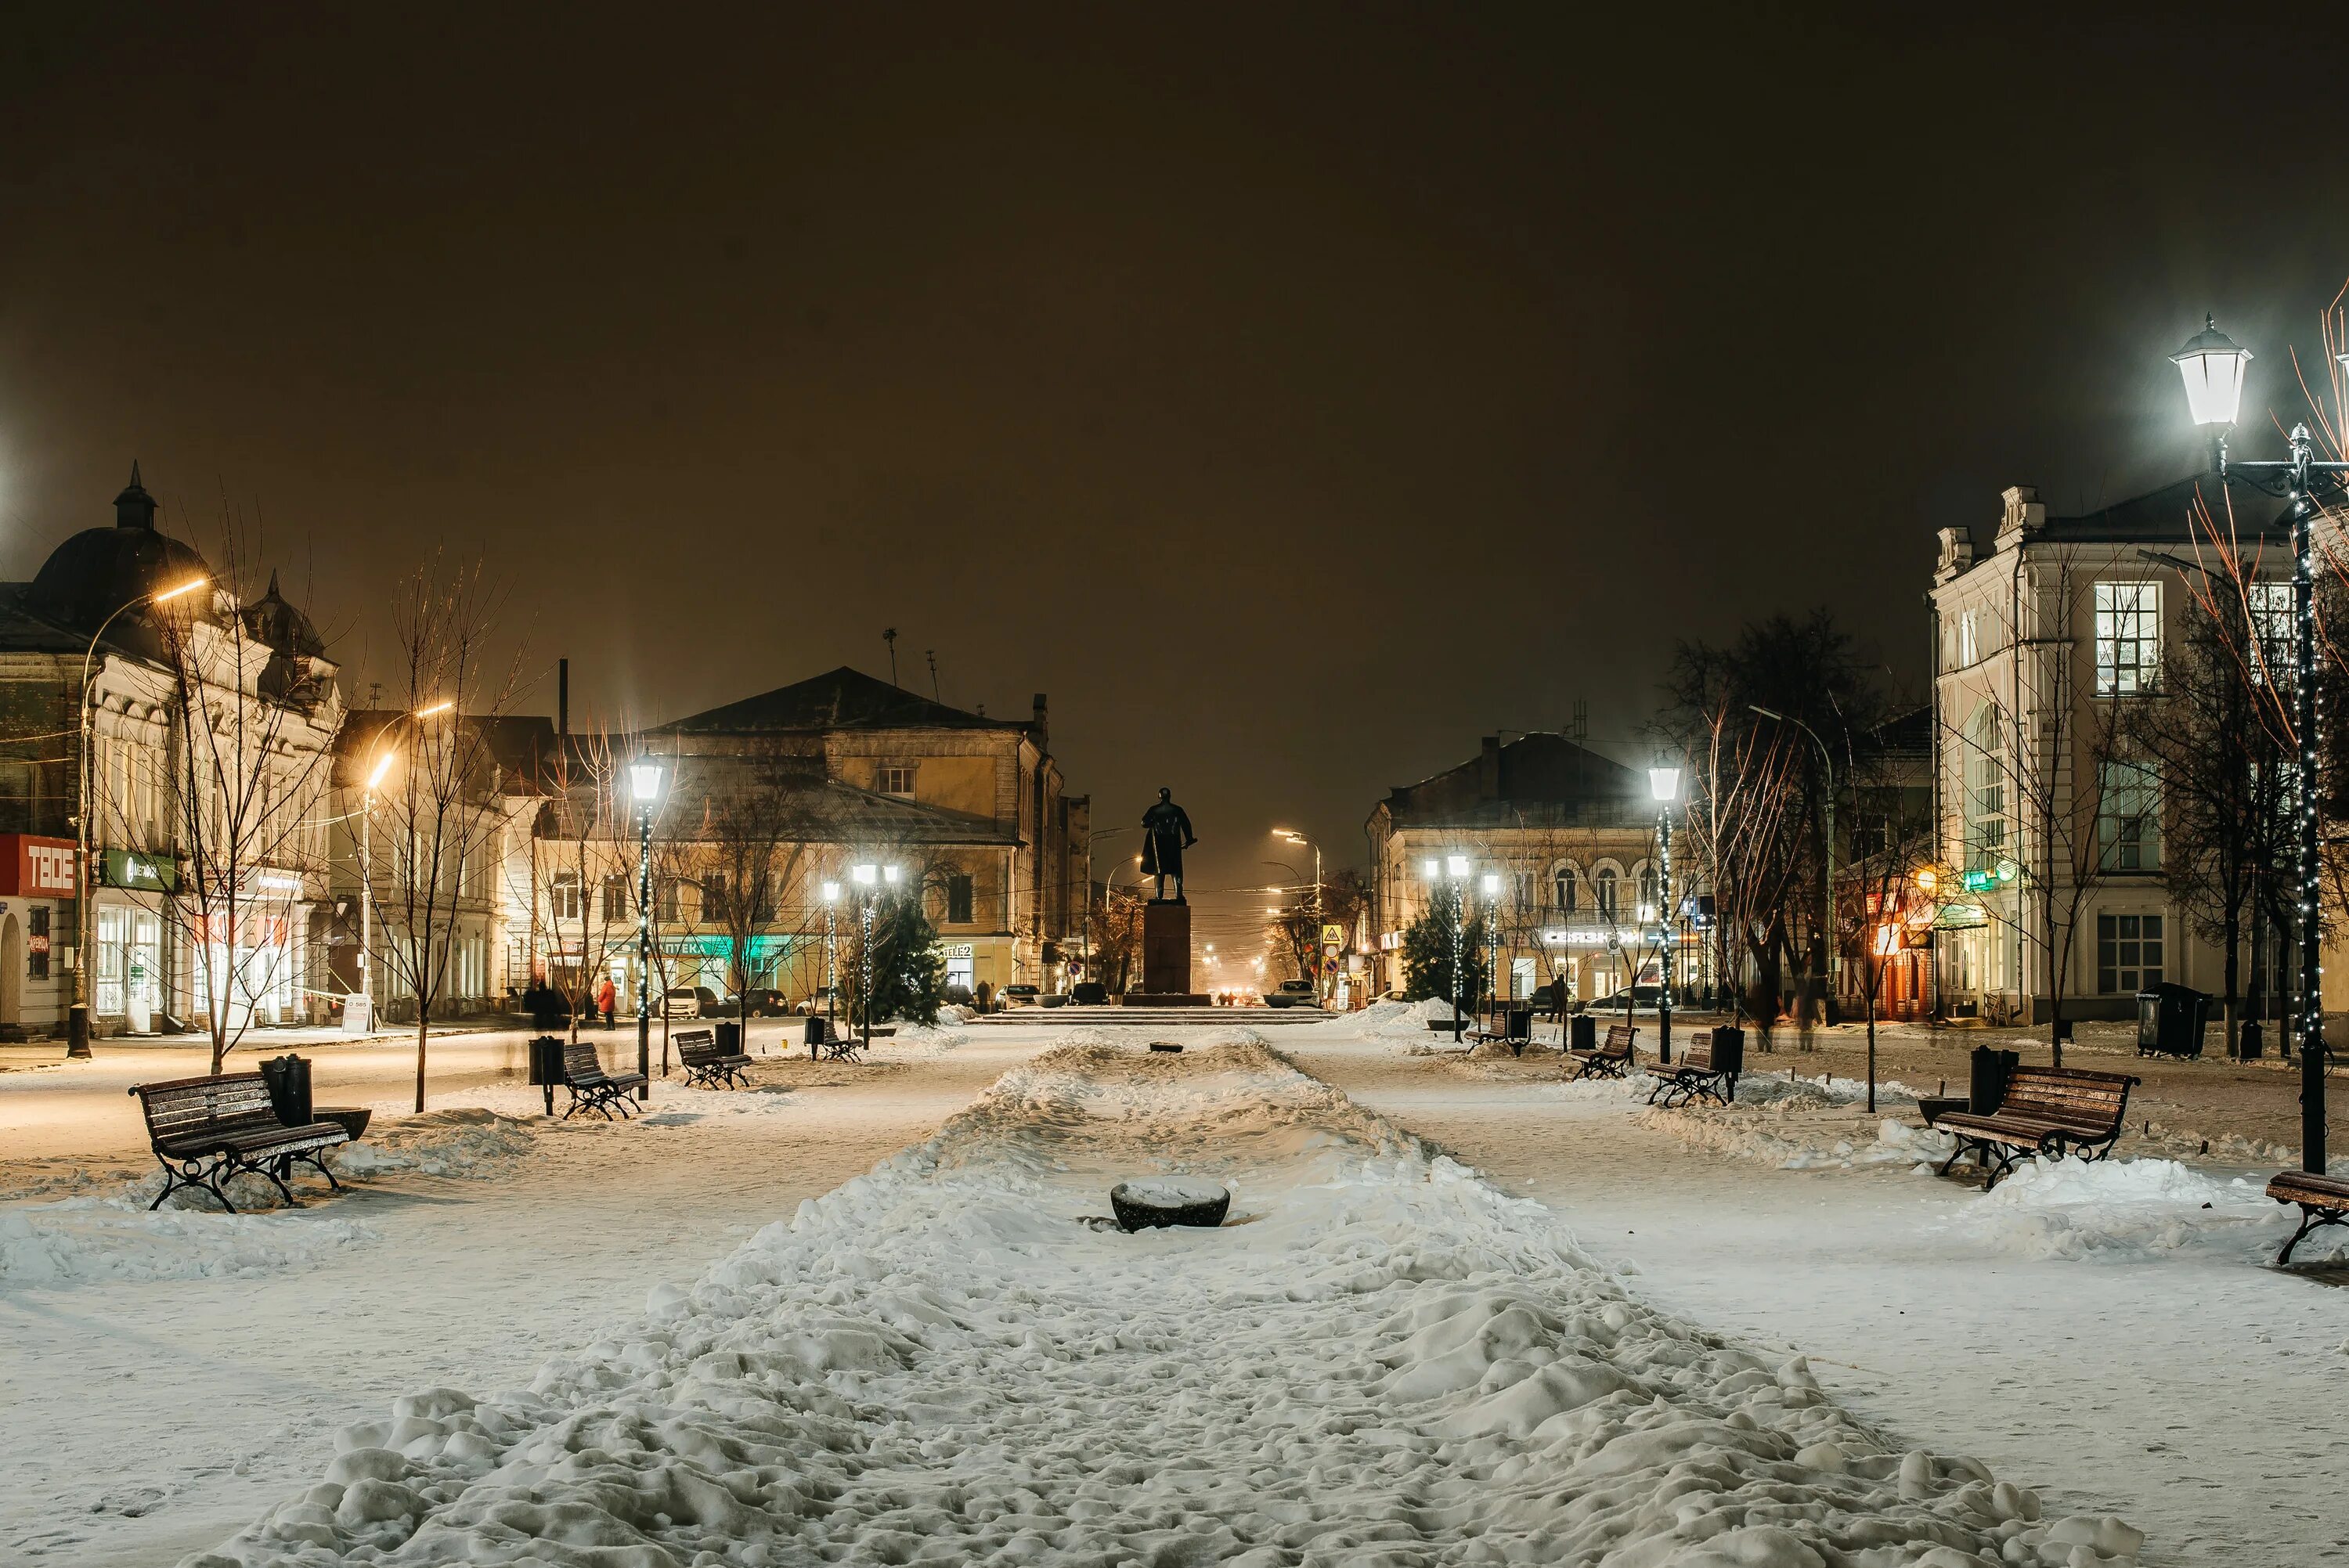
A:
[273,621]
[100,569]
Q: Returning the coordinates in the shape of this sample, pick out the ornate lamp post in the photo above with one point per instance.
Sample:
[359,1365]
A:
[2212,365]
[1664,783]
[1492,886]
[645,784]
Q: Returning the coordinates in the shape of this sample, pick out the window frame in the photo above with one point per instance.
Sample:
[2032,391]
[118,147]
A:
[2133,627]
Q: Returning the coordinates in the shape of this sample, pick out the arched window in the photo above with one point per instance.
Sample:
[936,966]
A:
[1602,888]
[1565,889]
[1650,888]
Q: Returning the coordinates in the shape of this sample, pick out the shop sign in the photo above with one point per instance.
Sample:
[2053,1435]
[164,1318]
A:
[35,866]
[1962,917]
[128,868]
[953,950]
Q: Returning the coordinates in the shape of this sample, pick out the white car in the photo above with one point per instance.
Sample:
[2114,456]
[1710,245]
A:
[1293,994]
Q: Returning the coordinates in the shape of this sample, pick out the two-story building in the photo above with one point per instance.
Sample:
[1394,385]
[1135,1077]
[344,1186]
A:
[2051,829]
[1571,836]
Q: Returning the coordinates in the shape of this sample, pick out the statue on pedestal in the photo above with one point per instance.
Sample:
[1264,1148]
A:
[1165,834]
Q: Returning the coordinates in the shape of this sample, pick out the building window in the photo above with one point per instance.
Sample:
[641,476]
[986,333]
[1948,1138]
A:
[37,959]
[895,781]
[2128,816]
[2128,637]
[957,900]
[1650,888]
[2271,629]
[562,897]
[668,901]
[615,898]
[1566,889]
[1969,638]
[1985,794]
[1602,886]
[2128,952]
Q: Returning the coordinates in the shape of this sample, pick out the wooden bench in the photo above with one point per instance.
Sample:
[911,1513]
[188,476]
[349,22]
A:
[828,1042]
[1696,1076]
[2322,1200]
[1612,1060]
[2051,1112]
[1511,1026]
[206,1130]
[593,1089]
[705,1064]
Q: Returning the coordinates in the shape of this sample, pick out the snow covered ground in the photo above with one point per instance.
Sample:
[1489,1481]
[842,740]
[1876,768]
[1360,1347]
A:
[513,1331]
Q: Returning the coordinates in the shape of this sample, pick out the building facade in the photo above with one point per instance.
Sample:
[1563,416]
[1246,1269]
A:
[206,722]
[2052,832]
[1572,838]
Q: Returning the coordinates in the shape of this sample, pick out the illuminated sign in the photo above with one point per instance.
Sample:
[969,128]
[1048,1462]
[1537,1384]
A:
[128,868]
[31,866]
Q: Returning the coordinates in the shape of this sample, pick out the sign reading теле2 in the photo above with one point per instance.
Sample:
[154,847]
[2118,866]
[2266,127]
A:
[128,868]
[34,867]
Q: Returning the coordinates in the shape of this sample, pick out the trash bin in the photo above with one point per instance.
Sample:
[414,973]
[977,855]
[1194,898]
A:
[2170,1020]
[730,1039]
[1729,1049]
[1990,1071]
[546,1066]
[1582,1032]
[288,1080]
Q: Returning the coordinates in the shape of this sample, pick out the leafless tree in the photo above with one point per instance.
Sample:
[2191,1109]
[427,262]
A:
[428,777]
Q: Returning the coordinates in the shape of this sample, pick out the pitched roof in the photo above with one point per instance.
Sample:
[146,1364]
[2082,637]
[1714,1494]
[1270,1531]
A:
[1542,776]
[2164,516]
[844,698]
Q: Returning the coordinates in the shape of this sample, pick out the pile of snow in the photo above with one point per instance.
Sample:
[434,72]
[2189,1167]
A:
[953,1013]
[80,1239]
[2121,1210]
[1792,1143]
[464,1141]
[1379,1358]
[921,1040]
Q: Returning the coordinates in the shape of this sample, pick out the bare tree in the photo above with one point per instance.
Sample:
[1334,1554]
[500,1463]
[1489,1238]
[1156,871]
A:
[256,721]
[587,845]
[429,777]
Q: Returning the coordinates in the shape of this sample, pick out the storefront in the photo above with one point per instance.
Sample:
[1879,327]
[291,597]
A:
[37,890]
[257,958]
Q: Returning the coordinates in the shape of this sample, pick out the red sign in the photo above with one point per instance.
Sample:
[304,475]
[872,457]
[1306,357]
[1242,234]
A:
[34,867]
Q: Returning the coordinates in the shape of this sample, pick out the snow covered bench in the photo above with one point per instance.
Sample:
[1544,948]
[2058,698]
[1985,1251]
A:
[2322,1200]
[593,1089]
[2052,1112]
[204,1130]
[705,1064]
[1700,1074]
[1512,1025]
[1612,1060]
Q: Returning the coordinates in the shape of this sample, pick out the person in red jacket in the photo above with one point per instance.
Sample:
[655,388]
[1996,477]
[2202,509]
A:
[608,1000]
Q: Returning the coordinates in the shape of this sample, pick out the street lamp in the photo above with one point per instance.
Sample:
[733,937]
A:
[645,785]
[77,1014]
[1288,836]
[1664,783]
[870,877]
[1492,884]
[2212,365]
[1454,869]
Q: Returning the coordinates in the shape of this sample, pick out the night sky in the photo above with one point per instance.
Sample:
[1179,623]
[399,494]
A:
[1294,393]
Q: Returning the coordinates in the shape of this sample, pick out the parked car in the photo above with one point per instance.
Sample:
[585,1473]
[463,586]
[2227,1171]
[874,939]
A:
[1018,996]
[765,1003]
[690,1002]
[1640,998]
[821,1002]
[1293,994]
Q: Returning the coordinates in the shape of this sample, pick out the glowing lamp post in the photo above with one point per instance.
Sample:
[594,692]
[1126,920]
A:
[2212,365]
[1664,783]
[1492,886]
[645,785]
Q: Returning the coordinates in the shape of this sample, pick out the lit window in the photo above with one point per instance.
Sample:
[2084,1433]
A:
[2128,952]
[895,781]
[2128,637]
[1602,885]
[2128,816]
[2271,628]
[562,897]
[1985,795]
[1567,889]
[1969,638]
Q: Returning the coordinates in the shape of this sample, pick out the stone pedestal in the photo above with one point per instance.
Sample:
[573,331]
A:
[1166,959]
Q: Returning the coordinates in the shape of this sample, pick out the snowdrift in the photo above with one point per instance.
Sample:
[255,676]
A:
[1378,1359]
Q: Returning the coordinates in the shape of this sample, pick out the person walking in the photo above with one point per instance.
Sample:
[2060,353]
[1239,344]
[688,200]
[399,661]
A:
[608,1000]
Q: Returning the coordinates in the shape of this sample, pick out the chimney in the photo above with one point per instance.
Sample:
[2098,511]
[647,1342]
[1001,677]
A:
[1488,769]
[563,696]
[1043,730]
